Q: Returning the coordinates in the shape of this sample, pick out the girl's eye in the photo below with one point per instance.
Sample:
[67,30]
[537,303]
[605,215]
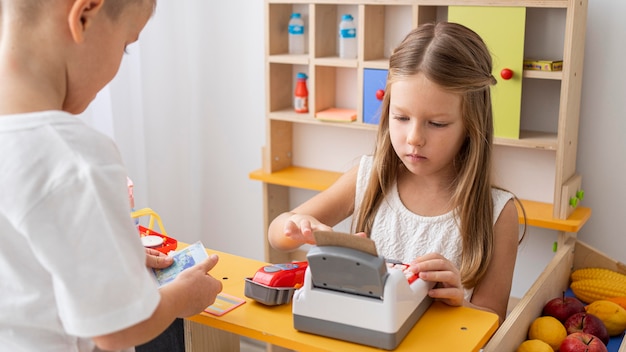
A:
[400,118]
[437,124]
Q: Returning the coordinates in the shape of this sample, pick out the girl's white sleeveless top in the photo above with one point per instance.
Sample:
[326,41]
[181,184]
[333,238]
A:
[403,235]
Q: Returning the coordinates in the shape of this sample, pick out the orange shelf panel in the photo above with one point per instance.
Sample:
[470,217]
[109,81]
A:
[538,214]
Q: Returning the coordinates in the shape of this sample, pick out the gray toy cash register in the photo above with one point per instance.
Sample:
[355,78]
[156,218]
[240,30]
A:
[350,293]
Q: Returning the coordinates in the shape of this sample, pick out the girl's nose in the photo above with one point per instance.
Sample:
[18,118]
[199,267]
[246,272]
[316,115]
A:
[416,135]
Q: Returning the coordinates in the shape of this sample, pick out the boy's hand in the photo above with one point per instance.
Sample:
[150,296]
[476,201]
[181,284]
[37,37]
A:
[199,287]
[157,260]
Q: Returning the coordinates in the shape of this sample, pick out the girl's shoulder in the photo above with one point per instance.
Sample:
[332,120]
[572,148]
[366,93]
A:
[365,167]
[500,198]
[500,194]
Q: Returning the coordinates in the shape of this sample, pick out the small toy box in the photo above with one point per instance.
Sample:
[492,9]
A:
[374,84]
[543,65]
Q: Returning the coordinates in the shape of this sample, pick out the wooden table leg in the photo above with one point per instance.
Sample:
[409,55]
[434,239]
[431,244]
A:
[202,338]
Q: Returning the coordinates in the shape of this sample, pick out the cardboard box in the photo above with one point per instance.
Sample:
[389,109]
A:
[543,65]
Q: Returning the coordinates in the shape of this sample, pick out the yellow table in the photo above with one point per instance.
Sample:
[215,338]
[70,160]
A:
[441,328]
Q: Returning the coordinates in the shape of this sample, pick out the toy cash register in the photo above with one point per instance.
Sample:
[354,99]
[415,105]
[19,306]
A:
[349,293]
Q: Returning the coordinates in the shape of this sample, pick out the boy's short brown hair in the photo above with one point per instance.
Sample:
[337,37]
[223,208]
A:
[114,8]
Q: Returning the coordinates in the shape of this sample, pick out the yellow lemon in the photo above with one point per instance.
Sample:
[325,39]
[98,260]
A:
[534,346]
[612,315]
[549,330]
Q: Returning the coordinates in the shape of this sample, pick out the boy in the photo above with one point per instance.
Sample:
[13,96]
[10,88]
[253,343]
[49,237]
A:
[72,269]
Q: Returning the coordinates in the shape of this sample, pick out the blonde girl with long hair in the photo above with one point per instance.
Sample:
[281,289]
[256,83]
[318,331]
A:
[426,195]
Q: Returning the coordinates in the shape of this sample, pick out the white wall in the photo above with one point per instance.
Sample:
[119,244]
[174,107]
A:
[215,80]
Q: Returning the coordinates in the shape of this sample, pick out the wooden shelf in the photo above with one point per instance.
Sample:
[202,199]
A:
[538,214]
[528,139]
[299,177]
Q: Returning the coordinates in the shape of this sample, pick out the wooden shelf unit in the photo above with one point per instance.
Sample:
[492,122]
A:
[381,25]
[554,24]
[387,23]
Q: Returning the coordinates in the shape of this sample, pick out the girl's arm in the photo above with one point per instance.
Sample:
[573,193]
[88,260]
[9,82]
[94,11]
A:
[492,294]
[290,230]
[494,289]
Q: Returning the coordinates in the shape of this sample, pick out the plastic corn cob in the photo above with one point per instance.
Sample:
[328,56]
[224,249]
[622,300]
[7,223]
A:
[597,274]
[590,290]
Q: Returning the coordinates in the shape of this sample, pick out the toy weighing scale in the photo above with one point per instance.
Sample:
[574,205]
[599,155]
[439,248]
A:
[350,293]
[151,238]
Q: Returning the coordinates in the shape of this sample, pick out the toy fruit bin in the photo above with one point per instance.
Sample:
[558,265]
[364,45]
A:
[151,238]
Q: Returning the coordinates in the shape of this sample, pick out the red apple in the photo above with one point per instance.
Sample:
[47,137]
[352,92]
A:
[587,323]
[582,342]
[563,307]
[380,94]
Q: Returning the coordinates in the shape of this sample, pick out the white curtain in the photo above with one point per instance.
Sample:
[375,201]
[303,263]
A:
[187,112]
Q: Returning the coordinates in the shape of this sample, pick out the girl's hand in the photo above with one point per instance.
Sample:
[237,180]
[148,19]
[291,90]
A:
[300,228]
[157,260]
[434,267]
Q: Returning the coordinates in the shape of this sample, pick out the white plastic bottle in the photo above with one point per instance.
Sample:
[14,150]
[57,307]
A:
[347,37]
[296,34]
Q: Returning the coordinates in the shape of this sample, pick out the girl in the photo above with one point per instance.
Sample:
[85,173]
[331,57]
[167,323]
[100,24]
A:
[426,197]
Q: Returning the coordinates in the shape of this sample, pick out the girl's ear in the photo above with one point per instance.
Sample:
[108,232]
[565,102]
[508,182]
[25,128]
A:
[81,15]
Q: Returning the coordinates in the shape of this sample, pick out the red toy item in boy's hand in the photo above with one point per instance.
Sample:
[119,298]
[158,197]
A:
[281,275]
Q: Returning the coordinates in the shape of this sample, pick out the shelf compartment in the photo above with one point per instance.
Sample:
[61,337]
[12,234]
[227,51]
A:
[282,92]
[386,26]
[326,26]
[337,90]
[278,16]
[538,214]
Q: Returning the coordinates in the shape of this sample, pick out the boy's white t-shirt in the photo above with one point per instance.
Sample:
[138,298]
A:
[403,235]
[71,262]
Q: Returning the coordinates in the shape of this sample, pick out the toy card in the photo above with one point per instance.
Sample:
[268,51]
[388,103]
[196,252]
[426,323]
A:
[223,304]
[183,259]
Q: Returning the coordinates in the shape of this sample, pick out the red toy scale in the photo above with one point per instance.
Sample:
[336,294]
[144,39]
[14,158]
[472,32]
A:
[281,275]
[169,243]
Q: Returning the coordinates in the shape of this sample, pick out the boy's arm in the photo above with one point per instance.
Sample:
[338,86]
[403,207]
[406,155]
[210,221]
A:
[192,291]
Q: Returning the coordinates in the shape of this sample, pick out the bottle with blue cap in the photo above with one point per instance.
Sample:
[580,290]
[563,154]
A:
[296,34]
[347,37]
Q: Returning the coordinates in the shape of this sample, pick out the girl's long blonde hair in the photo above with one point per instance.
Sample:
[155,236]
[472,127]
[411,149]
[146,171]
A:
[457,59]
